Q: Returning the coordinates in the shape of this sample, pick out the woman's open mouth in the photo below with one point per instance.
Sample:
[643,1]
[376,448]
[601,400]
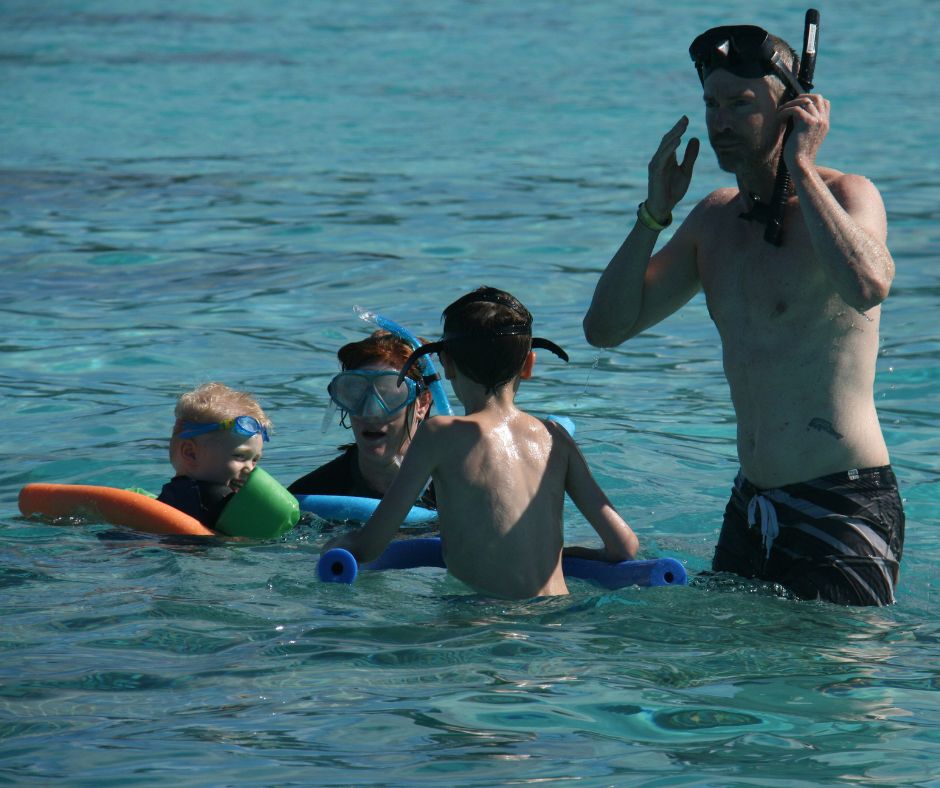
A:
[373,434]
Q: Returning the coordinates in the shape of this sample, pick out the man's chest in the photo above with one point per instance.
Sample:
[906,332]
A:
[751,285]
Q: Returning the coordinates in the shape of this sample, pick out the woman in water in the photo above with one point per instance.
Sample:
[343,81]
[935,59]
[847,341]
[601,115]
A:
[383,417]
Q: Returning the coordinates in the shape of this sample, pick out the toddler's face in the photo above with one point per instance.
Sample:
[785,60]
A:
[226,457]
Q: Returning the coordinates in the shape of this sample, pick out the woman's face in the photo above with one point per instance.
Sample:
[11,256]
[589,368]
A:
[381,437]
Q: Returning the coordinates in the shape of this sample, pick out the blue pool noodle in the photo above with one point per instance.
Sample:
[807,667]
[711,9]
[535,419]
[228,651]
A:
[340,566]
[355,509]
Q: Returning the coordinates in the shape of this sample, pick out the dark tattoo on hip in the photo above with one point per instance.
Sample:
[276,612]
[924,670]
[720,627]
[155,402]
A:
[825,426]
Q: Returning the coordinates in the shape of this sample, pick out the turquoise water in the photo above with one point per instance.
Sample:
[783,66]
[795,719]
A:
[198,194]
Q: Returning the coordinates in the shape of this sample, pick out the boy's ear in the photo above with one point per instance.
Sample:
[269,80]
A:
[450,371]
[188,452]
[527,366]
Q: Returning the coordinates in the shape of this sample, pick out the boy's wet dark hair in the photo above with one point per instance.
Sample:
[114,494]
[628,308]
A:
[488,334]
[492,334]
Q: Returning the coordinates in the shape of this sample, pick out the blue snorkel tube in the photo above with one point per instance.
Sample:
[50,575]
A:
[428,369]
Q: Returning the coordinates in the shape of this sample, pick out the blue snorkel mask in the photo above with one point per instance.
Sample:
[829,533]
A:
[364,392]
[429,373]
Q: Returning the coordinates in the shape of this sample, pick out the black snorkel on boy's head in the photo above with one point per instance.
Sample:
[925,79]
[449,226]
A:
[488,334]
[750,52]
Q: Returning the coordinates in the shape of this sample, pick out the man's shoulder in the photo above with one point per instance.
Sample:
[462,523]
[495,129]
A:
[847,184]
[720,201]
[712,209]
[720,197]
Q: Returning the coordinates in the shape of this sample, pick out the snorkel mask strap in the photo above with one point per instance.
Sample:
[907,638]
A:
[780,70]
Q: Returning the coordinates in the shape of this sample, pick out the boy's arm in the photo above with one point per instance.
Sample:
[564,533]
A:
[620,543]
[370,541]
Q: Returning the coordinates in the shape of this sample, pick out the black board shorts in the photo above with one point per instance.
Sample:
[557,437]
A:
[838,538]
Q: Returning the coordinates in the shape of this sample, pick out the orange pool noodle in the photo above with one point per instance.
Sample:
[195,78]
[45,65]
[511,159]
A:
[110,505]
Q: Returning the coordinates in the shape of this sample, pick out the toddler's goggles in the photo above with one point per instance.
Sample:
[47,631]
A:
[243,425]
[358,391]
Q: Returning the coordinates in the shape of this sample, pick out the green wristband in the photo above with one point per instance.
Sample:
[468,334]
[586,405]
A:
[647,220]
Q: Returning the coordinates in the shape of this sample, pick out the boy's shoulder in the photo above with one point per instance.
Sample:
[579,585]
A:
[445,427]
[523,425]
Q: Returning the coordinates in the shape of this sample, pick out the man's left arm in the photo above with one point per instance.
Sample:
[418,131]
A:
[845,217]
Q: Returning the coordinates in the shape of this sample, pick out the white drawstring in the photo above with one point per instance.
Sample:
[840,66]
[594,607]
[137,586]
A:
[769,527]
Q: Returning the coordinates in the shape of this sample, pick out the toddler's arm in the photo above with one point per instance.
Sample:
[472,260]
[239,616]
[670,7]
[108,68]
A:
[620,543]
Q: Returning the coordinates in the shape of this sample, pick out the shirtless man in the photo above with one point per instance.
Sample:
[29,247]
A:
[815,506]
[500,474]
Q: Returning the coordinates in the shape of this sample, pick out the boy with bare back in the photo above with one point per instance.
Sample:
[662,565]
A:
[500,474]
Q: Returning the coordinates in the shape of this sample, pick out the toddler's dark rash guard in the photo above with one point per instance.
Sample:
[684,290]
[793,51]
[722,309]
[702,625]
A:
[202,500]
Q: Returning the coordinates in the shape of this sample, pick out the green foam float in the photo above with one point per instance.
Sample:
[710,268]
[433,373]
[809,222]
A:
[261,509]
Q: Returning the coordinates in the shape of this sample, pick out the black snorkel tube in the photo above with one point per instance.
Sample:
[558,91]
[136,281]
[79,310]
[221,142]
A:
[778,202]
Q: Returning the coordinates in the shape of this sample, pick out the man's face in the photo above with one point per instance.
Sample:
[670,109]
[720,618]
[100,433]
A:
[741,118]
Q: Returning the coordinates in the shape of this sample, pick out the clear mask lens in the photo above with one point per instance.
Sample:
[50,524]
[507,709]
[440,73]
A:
[371,393]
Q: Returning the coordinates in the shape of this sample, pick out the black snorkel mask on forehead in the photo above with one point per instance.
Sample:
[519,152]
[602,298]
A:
[746,51]
[452,341]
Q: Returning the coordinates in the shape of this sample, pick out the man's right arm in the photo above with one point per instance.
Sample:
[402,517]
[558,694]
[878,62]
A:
[636,291]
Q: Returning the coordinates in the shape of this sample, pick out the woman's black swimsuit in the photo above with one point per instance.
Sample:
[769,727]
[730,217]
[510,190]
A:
[342,476]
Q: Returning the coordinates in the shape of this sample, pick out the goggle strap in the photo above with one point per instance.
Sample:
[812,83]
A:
[486,295]
[193,429]
[547,344]
[431,347]
[437,347]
